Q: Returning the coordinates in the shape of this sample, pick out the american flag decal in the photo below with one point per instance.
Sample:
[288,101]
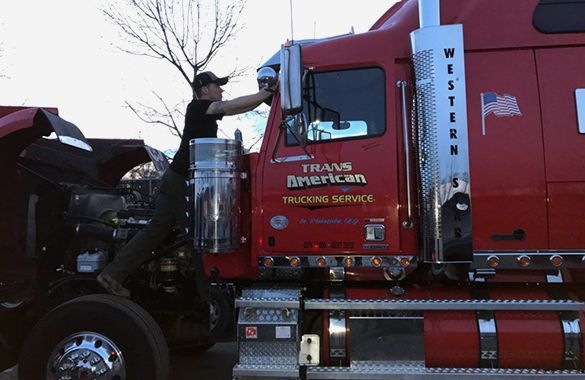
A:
[499,105]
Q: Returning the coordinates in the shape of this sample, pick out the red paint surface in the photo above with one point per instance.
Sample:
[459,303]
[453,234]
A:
[560,72]
[566,214]
[508,189]
[528,339]
[451,337]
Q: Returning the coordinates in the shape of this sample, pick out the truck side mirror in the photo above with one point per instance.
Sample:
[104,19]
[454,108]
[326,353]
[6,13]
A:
[291,79]
[341,126]
[297,125]
[266,77]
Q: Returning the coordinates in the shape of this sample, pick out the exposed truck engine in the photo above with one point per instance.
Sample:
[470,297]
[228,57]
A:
[64,219]
[416,211]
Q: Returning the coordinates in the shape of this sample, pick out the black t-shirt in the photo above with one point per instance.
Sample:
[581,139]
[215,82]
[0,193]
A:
[197,125]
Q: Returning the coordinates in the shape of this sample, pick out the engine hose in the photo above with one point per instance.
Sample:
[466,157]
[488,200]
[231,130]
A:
[94,231]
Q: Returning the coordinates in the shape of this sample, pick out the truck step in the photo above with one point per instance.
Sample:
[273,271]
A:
[266,371]
[416,305]
[268,303]
[392,372]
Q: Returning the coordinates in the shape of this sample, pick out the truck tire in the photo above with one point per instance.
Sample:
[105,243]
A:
[220,314]
[95,334]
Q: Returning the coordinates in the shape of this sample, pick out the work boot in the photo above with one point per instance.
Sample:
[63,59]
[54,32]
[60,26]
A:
[112,285]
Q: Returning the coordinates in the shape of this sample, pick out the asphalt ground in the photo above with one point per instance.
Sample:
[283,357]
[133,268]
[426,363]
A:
[215,364]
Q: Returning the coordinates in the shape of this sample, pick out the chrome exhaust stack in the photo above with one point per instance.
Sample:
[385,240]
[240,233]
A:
[216,173]
[441,137]
[429,13]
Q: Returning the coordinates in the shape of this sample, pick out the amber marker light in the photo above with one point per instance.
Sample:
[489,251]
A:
[321,262]
[493,261]
[348,261]
[524,261]
[404,261]
[556,260]
[268,261]
[295,261]
[376,261]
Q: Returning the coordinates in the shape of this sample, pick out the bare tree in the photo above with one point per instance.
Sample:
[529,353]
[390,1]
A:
[146,170]
[166,116]
[188,34]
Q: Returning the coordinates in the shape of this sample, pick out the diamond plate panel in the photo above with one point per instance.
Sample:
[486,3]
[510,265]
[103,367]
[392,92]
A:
[269,353]
[272,292]
[274,338]
[268,316]
[266,371]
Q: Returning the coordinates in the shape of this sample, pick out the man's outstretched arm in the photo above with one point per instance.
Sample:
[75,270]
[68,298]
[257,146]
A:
[239,105]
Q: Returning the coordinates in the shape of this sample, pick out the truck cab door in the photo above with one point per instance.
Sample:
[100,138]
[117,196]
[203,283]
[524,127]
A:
[506,152]
[342,198]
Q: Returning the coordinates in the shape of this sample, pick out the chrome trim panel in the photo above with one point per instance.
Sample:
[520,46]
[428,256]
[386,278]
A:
[375,232]
[580,104]
[441,132]
[555,278]
[383,304]
[539,259]
[488,332]
[571,339]
[392,372]
[336,274]
[280,160]
[337,331]
[488,339]
[337,336]
[337,261]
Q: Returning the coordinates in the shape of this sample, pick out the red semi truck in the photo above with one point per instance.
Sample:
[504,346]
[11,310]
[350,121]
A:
[416,211]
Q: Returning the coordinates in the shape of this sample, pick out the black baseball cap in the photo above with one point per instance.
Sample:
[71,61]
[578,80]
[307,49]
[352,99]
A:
[207,77]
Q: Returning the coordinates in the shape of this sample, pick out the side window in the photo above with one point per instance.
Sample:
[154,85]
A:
[344,104]
[559,16]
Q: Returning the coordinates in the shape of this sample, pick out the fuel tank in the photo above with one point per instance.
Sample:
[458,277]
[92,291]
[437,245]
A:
[215,174]
[523,331]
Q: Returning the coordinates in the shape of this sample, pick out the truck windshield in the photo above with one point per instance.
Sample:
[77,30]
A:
[344,104]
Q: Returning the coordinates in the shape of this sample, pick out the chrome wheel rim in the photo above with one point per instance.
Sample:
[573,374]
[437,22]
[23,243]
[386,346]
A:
[86,356]
[214,314]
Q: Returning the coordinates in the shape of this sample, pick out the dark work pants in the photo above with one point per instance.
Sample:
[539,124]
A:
[170,210]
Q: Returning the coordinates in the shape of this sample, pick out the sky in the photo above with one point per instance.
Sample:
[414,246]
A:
[65,54]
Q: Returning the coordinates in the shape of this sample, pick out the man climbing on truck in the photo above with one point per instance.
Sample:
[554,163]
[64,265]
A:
[206,108]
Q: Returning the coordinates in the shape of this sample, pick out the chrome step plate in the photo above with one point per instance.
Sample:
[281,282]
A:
[389,372]
[266,371]
[384,304]
[275,303]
